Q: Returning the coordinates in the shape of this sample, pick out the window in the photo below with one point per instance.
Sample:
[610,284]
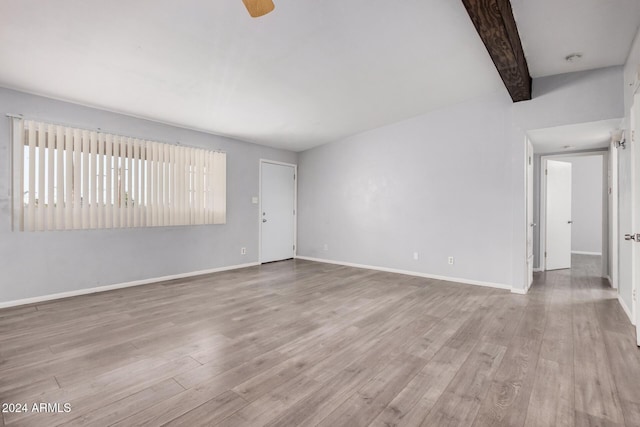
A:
[68,178]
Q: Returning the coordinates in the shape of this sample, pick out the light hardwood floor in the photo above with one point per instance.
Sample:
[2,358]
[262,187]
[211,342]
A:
[299,343]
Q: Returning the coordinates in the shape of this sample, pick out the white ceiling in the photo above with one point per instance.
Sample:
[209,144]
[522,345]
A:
[306,74]
[602,30]
[582,136]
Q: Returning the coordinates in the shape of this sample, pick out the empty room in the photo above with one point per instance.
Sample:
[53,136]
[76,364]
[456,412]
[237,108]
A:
[337,213]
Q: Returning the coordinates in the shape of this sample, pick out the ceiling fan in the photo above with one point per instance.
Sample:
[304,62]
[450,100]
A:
[258,8]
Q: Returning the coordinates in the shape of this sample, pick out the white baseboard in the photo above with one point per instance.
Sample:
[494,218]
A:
[537,270]
[409,273]
[521,291]
[626,309]
[120,285]
[586,253]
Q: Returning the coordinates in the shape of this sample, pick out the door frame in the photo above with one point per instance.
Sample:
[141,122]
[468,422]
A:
[635,203]
[529,208]
[635,207]
[295,205]
[612,199]
[543,201]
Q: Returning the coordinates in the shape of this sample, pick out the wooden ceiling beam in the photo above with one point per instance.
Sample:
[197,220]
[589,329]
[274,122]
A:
[497,28]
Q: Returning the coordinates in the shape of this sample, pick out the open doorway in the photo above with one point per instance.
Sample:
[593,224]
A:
[574,213]
[590,218]
[609,143]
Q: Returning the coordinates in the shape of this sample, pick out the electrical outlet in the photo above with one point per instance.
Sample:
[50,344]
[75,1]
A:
[450,260]
[415,255]
[326,247]
[243,251]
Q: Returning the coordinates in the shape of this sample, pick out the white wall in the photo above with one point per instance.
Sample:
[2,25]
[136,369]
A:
[586,203]
[440,184]
[631,69]
[447,183]
[450,182]
[43,263]
[571,98]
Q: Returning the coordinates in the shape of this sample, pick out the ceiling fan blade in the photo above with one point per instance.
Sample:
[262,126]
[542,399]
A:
[258,8]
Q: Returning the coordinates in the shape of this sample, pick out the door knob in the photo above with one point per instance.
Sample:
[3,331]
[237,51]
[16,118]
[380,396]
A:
[533,224]
[569,222]
[632,237]
[264,220]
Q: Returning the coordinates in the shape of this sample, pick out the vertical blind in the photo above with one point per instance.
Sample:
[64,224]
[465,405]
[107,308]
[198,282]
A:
[72,178]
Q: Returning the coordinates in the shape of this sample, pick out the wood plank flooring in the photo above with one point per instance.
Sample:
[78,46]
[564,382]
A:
[300,343]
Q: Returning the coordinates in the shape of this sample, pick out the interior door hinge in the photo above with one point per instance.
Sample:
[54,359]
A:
[546,171]
[545,254]
[294,247]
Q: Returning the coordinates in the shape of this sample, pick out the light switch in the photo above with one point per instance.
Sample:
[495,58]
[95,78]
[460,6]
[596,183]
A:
[254,200]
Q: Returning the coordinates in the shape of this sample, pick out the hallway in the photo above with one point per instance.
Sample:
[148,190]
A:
[588,346]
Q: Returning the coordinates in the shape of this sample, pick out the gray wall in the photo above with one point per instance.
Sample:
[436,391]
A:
[36,264]
[440,184]
[586,203]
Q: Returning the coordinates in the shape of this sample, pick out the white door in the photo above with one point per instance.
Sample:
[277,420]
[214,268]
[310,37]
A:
[558,218]
[277,215]
[530,224]
[635,213]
